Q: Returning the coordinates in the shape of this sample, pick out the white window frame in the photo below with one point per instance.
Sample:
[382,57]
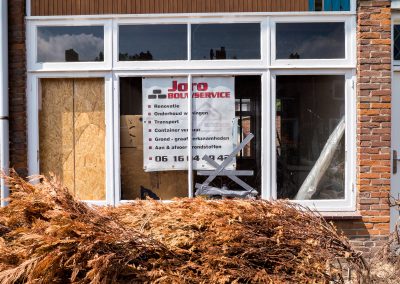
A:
[33,100]
[112,70]
[348,203]
[265,120]
[395,22]
[33,65]
[349,29]
[189,63]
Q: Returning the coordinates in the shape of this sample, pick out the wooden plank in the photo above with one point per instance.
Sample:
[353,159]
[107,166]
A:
[51,7]
[179,6]
[143,6]
[129,7]
[124,7]
[56,148]
[89,139]
[74,7]
[86,7]
[42,7]
[173,6]
[96,7]
[108,7]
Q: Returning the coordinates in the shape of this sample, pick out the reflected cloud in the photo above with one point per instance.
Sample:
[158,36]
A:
[53,48]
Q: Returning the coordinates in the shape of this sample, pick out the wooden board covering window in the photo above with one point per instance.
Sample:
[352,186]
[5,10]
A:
[166,185]
[72,134]
[94,7]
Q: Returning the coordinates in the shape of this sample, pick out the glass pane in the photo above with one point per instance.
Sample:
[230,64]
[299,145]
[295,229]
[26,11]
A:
[232,119]
[70,44]
[149,165]
[225,41]
[329,5]
[310,40]
[396,42]
[152,42]
[318,5]
[310,137]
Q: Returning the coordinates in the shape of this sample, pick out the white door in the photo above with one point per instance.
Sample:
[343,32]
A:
[395,181]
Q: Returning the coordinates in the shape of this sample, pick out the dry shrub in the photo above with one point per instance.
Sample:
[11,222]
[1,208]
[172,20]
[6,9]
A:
[48,236]
[385,263]
[52,238]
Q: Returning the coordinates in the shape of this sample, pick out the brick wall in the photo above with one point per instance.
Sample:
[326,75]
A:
[17,85]
[373,126]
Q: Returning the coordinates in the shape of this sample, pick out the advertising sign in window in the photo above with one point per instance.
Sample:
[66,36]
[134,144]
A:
[165,117]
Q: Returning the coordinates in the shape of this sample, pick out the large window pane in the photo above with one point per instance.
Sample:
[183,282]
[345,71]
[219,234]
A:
[70,44]
[152,42]
[145,125]
[241,115]
[310,137]
[310,40]
[225,41]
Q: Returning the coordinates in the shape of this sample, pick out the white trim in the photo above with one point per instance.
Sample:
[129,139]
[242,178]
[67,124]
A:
[117,139]
[225,15]
[33,98]
[349,202]
[109,139]
[266,136]
[190,137]
[350,52]
[395,22]
[188,63]
[394,213]
[265,67]
[31,40]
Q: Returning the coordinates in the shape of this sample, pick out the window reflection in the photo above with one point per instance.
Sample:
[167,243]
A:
[310,40]
[309,113]
[152,42]
[225,41]
[396,42]
[70,44]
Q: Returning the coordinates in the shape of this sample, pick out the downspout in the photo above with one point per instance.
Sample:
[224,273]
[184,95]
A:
[4,139]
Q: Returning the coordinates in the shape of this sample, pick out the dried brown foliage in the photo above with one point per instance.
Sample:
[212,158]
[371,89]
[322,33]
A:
[46,236]
[385,263]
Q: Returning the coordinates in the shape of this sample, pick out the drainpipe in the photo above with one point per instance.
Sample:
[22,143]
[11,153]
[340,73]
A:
[4,139]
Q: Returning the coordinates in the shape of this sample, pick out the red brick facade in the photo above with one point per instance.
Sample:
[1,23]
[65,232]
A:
[373,116]
[17,85]
[373,126]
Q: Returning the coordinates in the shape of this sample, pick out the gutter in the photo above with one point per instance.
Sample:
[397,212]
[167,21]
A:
[4,135]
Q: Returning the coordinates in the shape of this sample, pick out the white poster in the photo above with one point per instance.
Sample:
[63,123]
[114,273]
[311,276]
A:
[165,117]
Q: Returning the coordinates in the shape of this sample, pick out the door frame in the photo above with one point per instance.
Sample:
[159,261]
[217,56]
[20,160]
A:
[395,136]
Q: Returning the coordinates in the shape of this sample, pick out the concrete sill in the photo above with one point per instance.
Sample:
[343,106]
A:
[337,215]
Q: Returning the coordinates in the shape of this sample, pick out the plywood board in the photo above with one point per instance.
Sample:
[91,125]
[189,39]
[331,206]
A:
[56,152]
[166,185]
[89,138]
[131,131]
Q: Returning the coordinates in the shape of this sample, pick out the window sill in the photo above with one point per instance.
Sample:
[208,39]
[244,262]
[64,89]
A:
[337,215]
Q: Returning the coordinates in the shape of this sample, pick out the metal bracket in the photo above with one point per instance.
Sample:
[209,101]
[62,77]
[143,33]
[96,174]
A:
[395,159]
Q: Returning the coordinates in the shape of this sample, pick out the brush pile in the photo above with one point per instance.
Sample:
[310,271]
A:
[385,264]
[46,236]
